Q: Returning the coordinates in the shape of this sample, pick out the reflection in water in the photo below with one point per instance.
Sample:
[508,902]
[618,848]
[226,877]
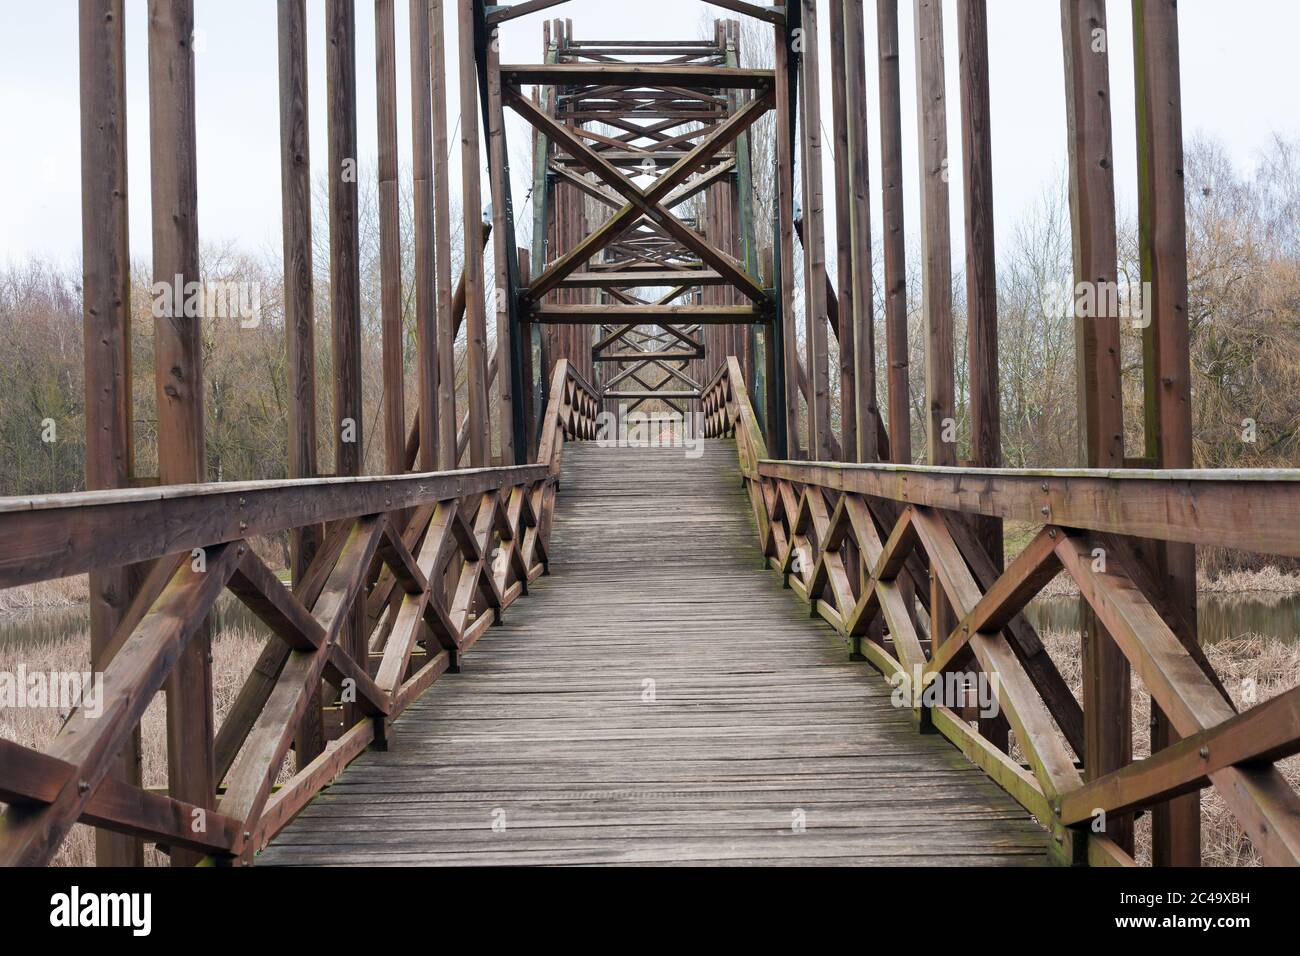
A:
[25,628]
[1219,616]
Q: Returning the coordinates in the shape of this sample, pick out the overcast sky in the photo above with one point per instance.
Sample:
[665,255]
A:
[1240,72]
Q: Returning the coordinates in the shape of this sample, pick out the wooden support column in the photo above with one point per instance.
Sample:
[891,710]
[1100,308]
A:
[178,364]
[472,209]
[502,250]
[542,337]
[936,267]
[526,402]
[814,241]
[106,326]
[1176,825]
[894,240]
[299,308]
[981,278]
[345,275]
[345,281]
[390,239]
[422,163]
[844,236]
[865,411]
[1108,728]
[757,343]
[446,319]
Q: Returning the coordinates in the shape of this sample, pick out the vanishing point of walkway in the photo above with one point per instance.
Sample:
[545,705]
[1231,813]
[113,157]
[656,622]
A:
[660,699]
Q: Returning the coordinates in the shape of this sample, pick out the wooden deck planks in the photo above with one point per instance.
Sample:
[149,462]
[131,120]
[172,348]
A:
[757,715]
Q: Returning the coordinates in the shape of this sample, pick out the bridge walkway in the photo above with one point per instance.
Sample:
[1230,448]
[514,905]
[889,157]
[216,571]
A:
[660,699]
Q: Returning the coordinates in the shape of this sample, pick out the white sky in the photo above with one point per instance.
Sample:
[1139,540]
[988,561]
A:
[1239,66]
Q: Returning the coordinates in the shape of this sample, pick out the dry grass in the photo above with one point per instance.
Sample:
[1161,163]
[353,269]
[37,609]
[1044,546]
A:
[44,595]
[1274,667]
[234,651]
[1266,581]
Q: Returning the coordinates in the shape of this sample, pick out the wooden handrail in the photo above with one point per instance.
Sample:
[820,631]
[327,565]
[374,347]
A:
[457,549]
[845,537]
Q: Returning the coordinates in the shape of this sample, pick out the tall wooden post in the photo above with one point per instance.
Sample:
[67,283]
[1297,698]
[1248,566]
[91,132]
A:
[844,235]
[527,409]
[446,319]
[1106,683]
[508,366]
[1176,825]
[541,337]
[345,272]
[178,363]
[814,241]
[894,240]
[390,240]
[865,410]
[472,209]
[936,267]
[296,201]
[345,280]
[783,233]
[981,278]
[299,308]
[422,163]
[106,326]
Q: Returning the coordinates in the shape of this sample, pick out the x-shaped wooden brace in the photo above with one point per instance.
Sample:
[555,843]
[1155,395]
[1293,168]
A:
[646,202]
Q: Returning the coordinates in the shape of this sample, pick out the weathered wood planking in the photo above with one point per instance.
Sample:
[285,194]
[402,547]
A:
[757,714]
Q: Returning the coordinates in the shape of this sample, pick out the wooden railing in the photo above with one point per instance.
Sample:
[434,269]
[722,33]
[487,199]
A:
[412,571]
[860,543]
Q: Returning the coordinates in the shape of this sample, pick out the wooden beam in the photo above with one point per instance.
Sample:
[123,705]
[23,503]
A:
[472,210]
[1106,679]
[861,268]
[106,338]
[981,263]
[981,272]
[426,304]
[501,14]
[843,182]
[1162,227]
[641,202]
[936,265]
[249,782]
[814,240]
[30,835]
[1206,506]
[1265,805]
[118,808]
[1263,734]
[773,14]
[783,260]
[390,240]
[605,280]
[178,364]
[894,241]
[447,456]
[56,536]
[503,233]
[1029,573]
[636,75]
[646,314]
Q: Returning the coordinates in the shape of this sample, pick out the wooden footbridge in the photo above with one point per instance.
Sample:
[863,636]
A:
[739,623]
